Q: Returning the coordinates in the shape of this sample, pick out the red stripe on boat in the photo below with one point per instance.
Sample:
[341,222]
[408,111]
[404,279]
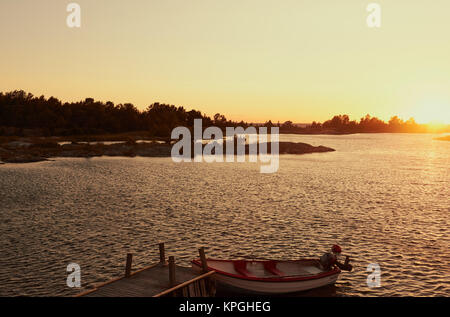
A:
[267,279]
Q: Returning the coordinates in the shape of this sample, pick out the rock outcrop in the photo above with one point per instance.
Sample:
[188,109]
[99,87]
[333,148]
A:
[22,152]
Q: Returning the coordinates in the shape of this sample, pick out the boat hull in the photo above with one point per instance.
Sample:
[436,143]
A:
[272,285]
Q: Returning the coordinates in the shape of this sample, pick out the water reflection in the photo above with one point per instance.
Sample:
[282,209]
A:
[383,198]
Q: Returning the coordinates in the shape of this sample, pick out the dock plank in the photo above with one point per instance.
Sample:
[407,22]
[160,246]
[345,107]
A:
[144,283]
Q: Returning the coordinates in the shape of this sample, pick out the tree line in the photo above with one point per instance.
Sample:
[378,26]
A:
[22,113]
[368,124]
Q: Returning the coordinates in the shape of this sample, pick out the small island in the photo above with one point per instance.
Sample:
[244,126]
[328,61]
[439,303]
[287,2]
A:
[24,150]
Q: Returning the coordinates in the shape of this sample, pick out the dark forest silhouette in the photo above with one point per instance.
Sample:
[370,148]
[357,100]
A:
[22,114]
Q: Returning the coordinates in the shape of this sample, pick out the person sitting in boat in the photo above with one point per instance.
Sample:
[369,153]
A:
[328,260]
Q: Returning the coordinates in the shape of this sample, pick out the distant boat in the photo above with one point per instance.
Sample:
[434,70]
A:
[271,276]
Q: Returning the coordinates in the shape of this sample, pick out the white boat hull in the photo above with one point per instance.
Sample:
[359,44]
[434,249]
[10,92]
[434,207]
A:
[276,288]
[266,285]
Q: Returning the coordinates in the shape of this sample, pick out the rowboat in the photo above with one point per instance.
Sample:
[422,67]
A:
[270,276]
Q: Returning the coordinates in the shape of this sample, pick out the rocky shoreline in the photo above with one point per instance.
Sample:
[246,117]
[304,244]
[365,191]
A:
[28,152]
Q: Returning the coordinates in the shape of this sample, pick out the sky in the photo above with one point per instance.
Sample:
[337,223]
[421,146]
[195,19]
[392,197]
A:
[255,60]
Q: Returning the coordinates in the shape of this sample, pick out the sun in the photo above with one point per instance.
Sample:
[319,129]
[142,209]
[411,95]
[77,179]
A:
[432,113]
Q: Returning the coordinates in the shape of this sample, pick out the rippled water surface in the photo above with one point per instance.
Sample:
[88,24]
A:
[384,198]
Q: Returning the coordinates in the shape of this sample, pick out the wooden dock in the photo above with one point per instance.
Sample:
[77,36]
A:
[157,280]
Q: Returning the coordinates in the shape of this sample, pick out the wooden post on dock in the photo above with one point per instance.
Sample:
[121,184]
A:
[201,251]
[172,277]
[128,265]
[210,283]
[162,254]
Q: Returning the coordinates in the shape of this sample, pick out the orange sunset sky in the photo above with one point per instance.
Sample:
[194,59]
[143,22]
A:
[299,60]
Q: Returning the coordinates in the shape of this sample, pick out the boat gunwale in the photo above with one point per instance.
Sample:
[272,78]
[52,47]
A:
[334,271]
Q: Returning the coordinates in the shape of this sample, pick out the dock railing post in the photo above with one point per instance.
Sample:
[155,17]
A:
[128,265]
[210,283]
[201,251]
[162,254]
[172,277]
